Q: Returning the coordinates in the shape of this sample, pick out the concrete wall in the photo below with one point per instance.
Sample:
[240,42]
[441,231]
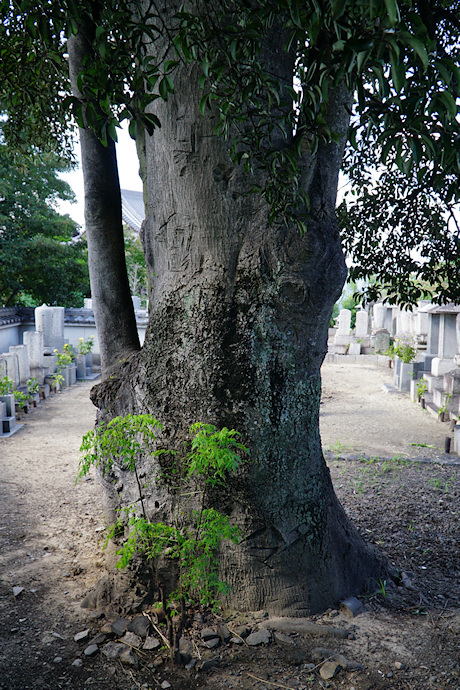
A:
[10,335]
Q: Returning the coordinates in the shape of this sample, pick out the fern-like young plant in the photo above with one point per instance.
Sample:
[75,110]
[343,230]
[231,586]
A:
[191,541]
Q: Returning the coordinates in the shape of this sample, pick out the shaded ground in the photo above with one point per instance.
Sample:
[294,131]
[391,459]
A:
[51,535]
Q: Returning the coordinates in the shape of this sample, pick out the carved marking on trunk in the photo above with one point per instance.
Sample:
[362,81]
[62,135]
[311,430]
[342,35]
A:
[185,138]
[176,239]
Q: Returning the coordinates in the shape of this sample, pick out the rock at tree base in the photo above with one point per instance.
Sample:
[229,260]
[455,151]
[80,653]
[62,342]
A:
[262,636]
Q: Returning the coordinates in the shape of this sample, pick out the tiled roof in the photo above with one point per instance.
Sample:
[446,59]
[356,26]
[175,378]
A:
[132,208]
[9,315]
[79,316]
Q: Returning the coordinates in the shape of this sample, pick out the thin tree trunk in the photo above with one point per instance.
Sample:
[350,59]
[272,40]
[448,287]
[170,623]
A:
[112,303]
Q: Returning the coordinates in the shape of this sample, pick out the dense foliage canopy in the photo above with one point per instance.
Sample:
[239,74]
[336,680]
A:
[41,258]
[399,59]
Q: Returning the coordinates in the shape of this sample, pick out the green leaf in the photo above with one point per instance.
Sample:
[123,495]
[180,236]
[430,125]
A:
[204,103]
[170,64]
[417,150]
[392,10]
[150,121]
[295,14]
[132,129]
[398,73]
[338,8]
[163,89]
[418,48]
[449,101]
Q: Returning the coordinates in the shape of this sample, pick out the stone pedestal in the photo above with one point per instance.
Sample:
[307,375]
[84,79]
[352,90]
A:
[22,353]
[8,418]
[457,439]
[403,374]
[439,366]
[50,363]
[39,373]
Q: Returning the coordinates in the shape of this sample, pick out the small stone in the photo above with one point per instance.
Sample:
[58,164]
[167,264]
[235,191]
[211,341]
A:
[91,649]
[132,639]
[57,659]
[398,665]
[329,669]
[236,640]
[17,591]
[119,626]
[100,638]
[77,663]
[213,644]
[139,626]
[333,614]
[151,643]
[209,634]
[185,650]
[106,629]
[198,617]
[90,601]
[112,650]
[406,581]
[224,633]
[83,635]
[157,662]
[293,683]
[128,658]
[209,663]
[191,665]
[262,636]
[243,631]
[165,685]
[320,653]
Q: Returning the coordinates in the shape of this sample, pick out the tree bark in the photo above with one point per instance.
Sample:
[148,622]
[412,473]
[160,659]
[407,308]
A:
[112,303]
[238,331]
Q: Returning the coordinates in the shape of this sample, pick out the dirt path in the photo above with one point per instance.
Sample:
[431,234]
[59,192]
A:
[358,417]
[51,535]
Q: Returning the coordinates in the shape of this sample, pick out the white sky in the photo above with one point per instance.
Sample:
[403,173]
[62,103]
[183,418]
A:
[128,170]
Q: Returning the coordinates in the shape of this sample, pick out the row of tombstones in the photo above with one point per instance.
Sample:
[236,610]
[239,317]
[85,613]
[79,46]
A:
[32,369]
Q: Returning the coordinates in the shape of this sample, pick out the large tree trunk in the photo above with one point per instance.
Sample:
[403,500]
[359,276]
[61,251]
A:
[112,303]
[237,334]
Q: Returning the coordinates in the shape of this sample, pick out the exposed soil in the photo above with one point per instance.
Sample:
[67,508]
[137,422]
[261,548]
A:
[403,497]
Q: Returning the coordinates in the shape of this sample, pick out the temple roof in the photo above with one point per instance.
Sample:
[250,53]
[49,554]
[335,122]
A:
[132,208]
